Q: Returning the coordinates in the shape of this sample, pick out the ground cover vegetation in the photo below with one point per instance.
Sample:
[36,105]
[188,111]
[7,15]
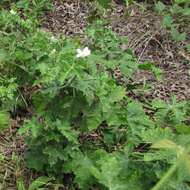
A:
[82,126]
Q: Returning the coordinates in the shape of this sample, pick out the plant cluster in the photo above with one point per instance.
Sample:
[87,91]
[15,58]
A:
[84,127]
[175,17]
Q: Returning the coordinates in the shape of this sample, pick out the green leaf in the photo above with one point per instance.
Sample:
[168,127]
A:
[34,126]
[39,182]
[4,120]
[108,173]
[145,66]
[127,66]
[157,72]
[36,162]
[93,117]
[20,184]
[188,47]
[186,11]
[117,94]
[151,67]
[136,115]
[160,7]
[168,21]
[157,134]
[81,165]
[3,55]
[186,161]
[178,36]
[183,129]
[23,55]
[66,130]
[171,113]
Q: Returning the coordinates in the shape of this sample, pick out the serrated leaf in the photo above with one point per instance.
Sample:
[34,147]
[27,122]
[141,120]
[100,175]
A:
[39,182]
[108,173]
[157,134]
[117,94]
[128,67]
[178,36]
[168,21]
[93,117]
[160,6]
[136,115]
[66,130]
[94,122]
[81,166]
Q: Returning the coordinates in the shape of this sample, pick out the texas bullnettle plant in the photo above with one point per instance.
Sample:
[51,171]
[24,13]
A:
[84,126]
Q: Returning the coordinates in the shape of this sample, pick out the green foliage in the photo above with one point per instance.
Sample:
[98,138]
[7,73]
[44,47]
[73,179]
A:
[173,113]
[151,67]
[174,16]
[84,126]
[4,120]
[38,184]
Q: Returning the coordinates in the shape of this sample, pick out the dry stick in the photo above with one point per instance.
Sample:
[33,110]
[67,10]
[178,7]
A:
[129,35]
[23,99]
[136,42]
[146,45]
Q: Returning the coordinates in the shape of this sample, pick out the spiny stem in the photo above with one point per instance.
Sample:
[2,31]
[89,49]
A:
[166,176]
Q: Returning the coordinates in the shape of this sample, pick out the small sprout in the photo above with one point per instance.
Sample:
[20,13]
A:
[83,53]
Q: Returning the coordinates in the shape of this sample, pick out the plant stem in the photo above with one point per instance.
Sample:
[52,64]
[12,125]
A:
[68,72]
[166,176]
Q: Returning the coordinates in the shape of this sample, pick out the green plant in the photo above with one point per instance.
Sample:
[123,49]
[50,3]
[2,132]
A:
[180,163]
[84,128]
[174,17]
[173,113]
[78,93]
[4,120]
[40,183]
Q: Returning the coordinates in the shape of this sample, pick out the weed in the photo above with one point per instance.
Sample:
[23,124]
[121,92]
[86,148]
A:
[84,125]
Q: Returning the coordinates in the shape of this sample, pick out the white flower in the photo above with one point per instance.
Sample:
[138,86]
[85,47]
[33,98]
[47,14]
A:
[83,53]
[53,51]
[13,12]
[53,39]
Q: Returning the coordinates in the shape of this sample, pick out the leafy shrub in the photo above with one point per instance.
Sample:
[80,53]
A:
[83,122]
[175,16]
